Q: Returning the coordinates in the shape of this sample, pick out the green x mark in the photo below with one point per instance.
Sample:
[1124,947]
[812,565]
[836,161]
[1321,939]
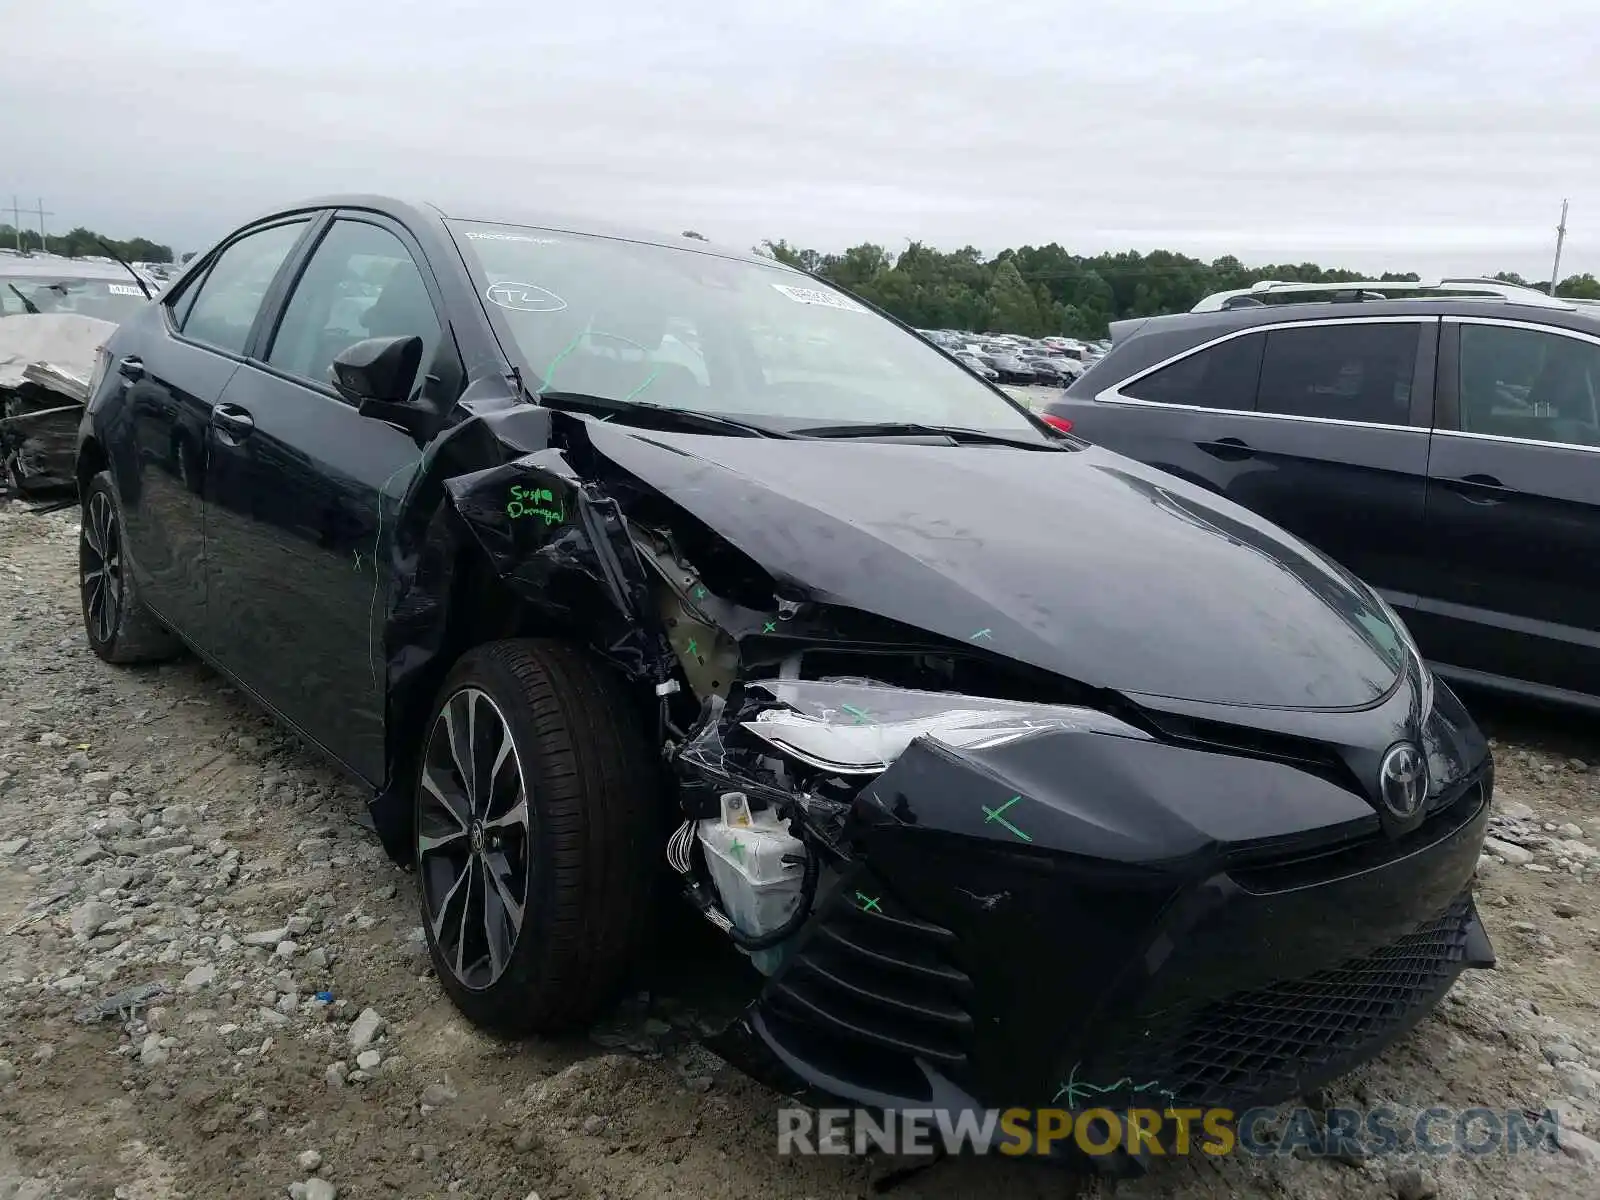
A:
[769,627]
[861,715]
[868,904]
[993,814]
[699,593]
[693,647]
[737,849]
[983,635]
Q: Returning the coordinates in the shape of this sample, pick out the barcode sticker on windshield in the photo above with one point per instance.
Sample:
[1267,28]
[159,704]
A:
[123,289]
[827,299]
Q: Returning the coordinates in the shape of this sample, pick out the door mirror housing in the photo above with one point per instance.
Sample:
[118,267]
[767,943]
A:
[376,375]
[378,369]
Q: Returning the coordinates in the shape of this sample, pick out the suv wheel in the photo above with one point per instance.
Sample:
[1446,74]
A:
[537,807]
[119,627]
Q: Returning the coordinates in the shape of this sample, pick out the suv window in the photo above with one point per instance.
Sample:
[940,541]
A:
[231,293]
[1221,376]
[1350,372]
[361,283]
[1525,383]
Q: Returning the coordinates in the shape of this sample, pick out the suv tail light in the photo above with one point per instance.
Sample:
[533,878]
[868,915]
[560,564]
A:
[1056,422]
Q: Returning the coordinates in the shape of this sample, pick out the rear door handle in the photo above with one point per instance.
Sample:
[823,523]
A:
[1480,489]
[232,423]
[1229,449]
[131,367]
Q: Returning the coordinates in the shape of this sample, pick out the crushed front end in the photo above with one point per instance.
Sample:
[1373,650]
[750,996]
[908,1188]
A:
[1030,904]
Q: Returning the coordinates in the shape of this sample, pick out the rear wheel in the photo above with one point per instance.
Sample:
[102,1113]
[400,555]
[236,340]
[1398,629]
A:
[537,808]
[119,627]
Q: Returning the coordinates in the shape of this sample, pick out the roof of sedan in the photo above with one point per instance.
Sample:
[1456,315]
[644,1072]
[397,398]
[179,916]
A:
[55,266]
[498,214]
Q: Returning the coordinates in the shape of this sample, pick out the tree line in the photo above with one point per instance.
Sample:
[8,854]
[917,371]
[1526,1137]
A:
[84,243]
[1040,290]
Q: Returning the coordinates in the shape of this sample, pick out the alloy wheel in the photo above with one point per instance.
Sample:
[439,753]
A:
[100,567]
[474,849]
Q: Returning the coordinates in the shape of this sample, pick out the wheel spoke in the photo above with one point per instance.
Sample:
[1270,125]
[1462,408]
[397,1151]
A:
[453,738]
[516,815]
[466,909]
[450,804]
[456,839]
[472,750]
[499,913]
[511,906]
[444,903]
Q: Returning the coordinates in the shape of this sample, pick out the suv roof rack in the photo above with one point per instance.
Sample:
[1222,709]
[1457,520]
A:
[1378,289]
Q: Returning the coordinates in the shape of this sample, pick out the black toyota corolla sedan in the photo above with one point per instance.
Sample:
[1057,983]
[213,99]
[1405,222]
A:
[1021,771]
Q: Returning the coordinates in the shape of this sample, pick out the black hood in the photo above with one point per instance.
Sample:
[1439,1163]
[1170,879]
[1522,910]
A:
[1085,564]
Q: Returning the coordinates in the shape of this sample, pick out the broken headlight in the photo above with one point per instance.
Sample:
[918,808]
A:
[857,727]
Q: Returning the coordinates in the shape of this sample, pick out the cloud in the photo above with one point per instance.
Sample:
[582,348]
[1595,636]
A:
[1379,135]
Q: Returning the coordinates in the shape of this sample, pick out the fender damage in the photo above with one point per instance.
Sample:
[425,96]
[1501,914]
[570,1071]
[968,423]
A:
[1031,886]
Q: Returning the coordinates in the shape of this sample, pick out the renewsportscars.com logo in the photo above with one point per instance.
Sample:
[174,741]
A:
[1260,1132]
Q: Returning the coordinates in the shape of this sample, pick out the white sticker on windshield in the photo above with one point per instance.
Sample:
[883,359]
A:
[481,235]
[827,299]
[523,297]
[123,289]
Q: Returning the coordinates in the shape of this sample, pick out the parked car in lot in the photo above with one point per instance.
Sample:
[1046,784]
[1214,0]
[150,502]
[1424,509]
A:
[973,363]
[1442,442]
[1010,367]
[990,809]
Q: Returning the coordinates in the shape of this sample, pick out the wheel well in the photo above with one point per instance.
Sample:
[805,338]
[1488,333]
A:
[91,461]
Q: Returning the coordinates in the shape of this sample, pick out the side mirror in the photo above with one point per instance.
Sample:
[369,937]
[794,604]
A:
[376,375]
[380,369]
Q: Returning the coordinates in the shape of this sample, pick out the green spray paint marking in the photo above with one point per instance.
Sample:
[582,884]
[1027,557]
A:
[737,849]
[699,593]
[983,635]
[535,502]
[868,903]
[861,715]
[1078,1094]
[693,647]
[993,814]
[770,627]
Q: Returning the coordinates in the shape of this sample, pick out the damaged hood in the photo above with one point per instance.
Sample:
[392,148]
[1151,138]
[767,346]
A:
[60,345]
[1085,564]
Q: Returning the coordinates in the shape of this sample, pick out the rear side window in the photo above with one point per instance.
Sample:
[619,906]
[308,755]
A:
[1349,372]
[231,293]
[361,283]
[1524,383]
[1220,376]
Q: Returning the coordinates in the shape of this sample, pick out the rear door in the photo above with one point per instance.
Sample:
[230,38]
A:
[303,490]
[1319,426]
[1513,509]
[173,378]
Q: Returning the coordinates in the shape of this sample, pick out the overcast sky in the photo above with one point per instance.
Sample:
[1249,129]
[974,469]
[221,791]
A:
[1435,135]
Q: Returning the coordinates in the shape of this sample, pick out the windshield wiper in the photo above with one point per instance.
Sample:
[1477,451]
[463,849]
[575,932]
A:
[31,308]
[868,429]
[682,418]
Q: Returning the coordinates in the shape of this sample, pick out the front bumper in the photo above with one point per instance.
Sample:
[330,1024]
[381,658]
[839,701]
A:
[959,969]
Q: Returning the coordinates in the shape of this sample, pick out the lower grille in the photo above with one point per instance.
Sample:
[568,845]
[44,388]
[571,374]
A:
[878,978]
[1274,1042]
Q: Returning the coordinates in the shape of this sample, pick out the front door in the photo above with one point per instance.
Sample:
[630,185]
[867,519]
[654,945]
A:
[303,492]
[1513,518]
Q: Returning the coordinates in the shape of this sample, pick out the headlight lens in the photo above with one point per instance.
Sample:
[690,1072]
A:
[857,727]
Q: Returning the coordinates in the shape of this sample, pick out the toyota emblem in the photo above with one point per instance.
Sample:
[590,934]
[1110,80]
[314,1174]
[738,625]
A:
[1403,780]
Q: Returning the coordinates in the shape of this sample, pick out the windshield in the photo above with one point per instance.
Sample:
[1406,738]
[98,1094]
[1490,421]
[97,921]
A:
[687,329]
[107,300]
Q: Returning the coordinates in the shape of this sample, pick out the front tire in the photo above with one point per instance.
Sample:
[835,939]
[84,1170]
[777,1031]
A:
[120,628]
[536,816]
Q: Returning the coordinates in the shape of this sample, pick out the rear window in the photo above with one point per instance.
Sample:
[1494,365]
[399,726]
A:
[1220,376]
[1349,372]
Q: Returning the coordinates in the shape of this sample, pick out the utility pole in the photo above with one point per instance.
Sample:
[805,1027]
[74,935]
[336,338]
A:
[16,222]
[44,244]
[1561,236]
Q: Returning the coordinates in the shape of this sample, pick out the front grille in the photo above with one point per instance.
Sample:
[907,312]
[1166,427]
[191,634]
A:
[1277,1041]
[872,976]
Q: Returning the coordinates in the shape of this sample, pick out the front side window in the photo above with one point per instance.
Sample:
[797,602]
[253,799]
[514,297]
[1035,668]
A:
[688,328]
[231,293]
[361,282]
[1525,383]
[1349,372]
[1220,376]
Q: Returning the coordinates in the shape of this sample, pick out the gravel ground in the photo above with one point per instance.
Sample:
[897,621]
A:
[214,984]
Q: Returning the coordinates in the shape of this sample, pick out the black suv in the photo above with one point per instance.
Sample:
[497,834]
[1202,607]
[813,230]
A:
[1442,441]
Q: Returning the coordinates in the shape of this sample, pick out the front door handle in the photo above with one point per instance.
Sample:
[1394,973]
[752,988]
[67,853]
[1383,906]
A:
[1229,449]
[232,423]
[131,367]
[1480,489]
